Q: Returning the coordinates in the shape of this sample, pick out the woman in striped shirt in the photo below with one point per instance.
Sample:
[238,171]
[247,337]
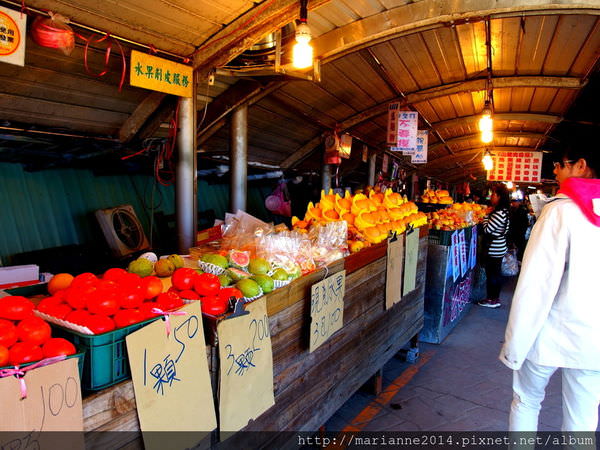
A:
[495,230]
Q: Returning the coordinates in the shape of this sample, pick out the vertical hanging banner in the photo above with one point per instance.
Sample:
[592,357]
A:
[406,132]
[385,163]
[158,74]
[171,379]
[419,156]
[473,248]
[519,167]
[53,403]
[455,255]
[326,308]
[392,127]
[411,256]
[246,378]
[13,26]
[393,279]
[463,253]
[365,153]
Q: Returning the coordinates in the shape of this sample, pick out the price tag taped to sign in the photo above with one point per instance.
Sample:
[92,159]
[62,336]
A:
[170,378]
[326,308]
[53,403]
[246,388]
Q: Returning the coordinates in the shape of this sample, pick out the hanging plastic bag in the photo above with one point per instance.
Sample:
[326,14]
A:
[510,264]
[53,32]
[277,202]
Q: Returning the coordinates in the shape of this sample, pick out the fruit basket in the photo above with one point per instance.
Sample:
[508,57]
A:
[105,362]
[80,354]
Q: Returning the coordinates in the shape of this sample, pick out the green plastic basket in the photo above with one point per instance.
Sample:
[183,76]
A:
[80,354]
[106,360]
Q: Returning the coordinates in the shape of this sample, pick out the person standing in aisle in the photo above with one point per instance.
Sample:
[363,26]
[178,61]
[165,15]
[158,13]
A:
[553,321]
[495,229]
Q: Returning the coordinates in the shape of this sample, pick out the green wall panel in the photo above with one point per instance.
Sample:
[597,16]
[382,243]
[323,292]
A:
[56,207]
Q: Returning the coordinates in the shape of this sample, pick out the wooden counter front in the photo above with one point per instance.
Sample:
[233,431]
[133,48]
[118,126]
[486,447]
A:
[309,387]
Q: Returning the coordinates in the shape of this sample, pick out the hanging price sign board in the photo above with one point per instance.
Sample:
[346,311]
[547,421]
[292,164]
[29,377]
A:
[519,167]
[246,387]
[326,308]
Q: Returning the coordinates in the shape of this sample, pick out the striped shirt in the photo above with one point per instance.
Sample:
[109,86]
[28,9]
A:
[495,226]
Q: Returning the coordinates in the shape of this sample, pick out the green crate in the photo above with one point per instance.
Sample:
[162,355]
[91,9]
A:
[106,360]
[80,354]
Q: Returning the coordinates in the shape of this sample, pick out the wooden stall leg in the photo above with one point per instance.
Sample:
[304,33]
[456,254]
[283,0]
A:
[374,385]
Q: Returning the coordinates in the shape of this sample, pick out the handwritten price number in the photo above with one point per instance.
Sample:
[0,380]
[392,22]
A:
[166,374]
[54,399]
[259,330]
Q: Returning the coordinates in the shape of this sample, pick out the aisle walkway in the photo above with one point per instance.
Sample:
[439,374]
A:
[459,385]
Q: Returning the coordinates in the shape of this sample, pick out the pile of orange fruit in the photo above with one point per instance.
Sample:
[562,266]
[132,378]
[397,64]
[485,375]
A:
[439,196]
[459,215]
[370,217]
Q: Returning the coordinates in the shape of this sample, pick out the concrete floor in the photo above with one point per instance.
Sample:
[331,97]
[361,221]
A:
[459,385]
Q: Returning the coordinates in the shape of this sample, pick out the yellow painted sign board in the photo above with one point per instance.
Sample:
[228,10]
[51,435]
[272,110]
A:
[157,74]
[12,36]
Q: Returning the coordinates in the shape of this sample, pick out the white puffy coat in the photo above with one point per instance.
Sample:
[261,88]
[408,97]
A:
[555,314]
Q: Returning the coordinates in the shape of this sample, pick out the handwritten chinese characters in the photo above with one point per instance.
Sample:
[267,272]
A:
[516,166]
[170,376]
[159,74]
[402,128]
[246,378]
[326,308]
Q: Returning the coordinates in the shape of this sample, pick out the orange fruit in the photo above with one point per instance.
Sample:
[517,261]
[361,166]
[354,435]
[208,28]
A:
[59,282]
[3,356]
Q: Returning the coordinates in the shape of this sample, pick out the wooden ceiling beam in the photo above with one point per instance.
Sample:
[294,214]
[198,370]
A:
[461,87]
[500,134]
[445,161]
[424,15]
[525,117]
[245,91]
[224,46]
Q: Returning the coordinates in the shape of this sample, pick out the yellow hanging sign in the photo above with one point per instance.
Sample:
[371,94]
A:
[157,74]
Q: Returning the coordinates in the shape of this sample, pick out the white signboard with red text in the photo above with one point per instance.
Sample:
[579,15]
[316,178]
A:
[519,167]
[402,128]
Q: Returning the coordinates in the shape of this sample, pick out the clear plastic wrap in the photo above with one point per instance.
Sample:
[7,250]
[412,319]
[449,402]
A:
[243,231]
[288,250]
[329,242]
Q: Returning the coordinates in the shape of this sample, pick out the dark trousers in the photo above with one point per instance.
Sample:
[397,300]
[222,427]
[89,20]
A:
[494,276]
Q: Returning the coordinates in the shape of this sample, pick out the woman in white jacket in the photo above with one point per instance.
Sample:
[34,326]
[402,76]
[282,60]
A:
[555,312]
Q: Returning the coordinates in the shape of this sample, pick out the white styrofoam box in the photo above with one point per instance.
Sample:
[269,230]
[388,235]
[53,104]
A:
[17,274]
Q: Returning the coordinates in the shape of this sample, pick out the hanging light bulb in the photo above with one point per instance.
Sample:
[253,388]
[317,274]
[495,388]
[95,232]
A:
[488,162]
[302,56]
[509,184]
[303,51]
[486,124]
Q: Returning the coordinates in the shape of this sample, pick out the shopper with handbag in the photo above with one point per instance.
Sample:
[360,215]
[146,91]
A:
[495,229]
[553,321]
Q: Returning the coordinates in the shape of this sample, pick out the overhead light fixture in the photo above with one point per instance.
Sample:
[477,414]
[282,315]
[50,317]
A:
[486,124]
[302,56]
[509,184]
[488,162]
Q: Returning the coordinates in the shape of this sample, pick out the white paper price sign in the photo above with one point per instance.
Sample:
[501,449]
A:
[53,403]
[326,308]
[463,253]
[170,378]
[246,388]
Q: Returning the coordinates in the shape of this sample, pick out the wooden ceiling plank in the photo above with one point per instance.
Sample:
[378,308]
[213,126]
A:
[497,134]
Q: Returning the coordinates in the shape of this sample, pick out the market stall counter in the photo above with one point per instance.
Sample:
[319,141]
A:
[451,264]
[309,387]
